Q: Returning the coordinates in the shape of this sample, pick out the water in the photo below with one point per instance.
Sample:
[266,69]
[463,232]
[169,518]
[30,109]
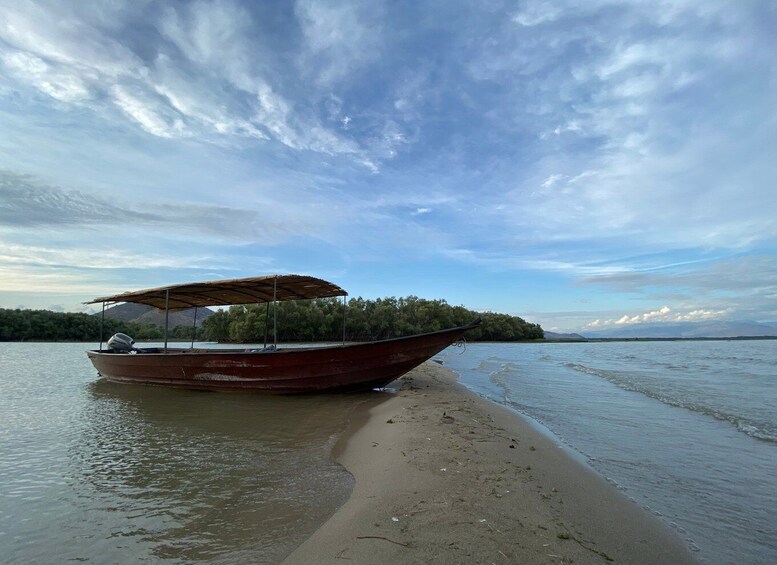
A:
[96,472]
[687,429]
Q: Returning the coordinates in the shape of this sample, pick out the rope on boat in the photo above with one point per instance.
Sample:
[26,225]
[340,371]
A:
[461,343]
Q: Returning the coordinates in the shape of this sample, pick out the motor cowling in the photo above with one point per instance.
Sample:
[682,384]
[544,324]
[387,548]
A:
[121,343]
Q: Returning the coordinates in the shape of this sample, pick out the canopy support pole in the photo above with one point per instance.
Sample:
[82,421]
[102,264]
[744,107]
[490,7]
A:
[275,312]
[194,328]
[167,314]
[266,322]
[345,309]
[102,322]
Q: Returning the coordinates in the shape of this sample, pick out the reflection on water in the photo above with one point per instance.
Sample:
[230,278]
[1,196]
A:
[94,471]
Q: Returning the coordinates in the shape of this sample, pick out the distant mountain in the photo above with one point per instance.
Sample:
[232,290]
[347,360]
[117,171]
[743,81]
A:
[142,314]
[562,337]
[688,330]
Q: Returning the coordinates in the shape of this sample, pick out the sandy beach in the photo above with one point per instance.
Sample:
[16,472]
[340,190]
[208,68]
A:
[444,476]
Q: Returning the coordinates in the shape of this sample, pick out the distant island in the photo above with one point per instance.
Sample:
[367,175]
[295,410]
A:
[553,336]
[305,321]
[669,331]
[147,315]
[717,329]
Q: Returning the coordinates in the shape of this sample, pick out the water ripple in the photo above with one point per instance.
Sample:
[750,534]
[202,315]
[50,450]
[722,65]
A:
[114,473]
[765,431]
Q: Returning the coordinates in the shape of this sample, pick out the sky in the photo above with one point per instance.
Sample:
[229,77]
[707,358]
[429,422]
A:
[583,165]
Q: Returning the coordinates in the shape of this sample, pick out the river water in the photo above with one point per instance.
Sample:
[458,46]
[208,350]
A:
[688,429]
[102,473]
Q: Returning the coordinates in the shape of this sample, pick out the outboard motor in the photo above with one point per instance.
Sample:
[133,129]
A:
[121,343]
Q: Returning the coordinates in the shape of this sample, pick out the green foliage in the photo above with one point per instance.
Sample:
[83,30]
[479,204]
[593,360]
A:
[365,320]
[310,320]
[44,325]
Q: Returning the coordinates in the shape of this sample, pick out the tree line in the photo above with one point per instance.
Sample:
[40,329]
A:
[304,321]
[365,320]
[45,325]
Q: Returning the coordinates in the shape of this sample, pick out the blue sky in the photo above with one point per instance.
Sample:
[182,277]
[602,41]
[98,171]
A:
[580,164]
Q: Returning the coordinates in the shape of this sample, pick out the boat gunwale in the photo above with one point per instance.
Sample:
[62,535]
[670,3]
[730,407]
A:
[243,351]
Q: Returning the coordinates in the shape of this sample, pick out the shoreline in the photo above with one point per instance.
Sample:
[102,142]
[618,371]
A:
[443,475]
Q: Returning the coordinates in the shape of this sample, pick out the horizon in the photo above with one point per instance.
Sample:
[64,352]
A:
[587,167]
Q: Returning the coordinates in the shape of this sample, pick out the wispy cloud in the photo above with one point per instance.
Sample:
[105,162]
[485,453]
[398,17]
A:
[101,257]
[21,280]
[150,112]
[340,37]
[55,82]
[537,12]
[199,72]
[620,153]
[629,106]
[551,180]
[28,202]
[722,275]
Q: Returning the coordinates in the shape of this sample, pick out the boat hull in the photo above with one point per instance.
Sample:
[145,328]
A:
[352,367]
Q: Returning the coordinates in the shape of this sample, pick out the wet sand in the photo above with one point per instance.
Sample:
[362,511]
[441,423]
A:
[444,476]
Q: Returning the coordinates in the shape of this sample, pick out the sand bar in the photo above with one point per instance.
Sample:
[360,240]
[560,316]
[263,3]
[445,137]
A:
[444,476]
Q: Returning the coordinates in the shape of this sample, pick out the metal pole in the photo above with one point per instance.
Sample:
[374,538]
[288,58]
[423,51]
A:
[266,323]
[102,321]
[167,314]
[275,312]
[194,329]
[344,311]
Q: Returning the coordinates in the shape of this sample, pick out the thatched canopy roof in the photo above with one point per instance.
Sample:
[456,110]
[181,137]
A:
[235,291]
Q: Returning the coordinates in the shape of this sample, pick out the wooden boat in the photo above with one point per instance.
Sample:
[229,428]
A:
[346,367]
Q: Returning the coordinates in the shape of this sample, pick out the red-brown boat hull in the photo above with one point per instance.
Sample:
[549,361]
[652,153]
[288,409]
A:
[360,366]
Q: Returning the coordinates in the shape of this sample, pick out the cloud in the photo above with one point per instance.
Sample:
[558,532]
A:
[200,71]
[661,315]
[102,256]
[341,37]
[536,12]
[214,36]
[24,280]
[275,114]
[28,202]
[618,150]
[551,180]
[150,113]
[654,316]
[31,211]
[702,315]
[57,83]
[78,38]
[619,99]
[756,273]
